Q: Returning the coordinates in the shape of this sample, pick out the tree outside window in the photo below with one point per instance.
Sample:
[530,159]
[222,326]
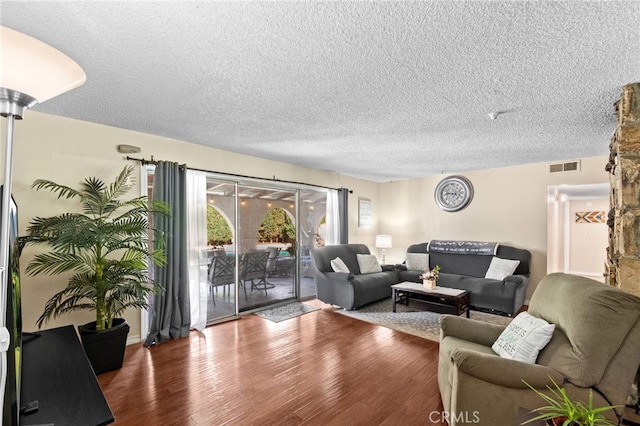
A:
[218,231]
[277,227]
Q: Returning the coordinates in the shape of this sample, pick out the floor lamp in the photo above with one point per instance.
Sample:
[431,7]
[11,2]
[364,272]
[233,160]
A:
[383,242]
[31,72]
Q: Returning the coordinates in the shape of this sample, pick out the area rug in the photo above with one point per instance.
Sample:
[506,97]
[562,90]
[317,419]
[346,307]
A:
[286,312]
[411,320]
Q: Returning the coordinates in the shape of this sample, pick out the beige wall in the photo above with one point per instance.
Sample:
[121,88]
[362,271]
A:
[509,206]
[67,151]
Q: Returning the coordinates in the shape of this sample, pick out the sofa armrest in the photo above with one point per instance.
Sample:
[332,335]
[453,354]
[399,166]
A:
[401,267]
[339,276]
[518,280]
[470,330]
[512,374]
[388,267]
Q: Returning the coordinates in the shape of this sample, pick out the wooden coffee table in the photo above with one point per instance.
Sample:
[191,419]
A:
[439,299]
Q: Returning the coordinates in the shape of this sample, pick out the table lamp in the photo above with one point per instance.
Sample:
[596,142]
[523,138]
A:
[383,242]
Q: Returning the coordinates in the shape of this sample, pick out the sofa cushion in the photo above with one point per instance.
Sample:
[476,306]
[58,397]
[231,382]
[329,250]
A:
[523,338]
[417,261]
[409,275]
[369,288]
[368,263]
[338,265]
[499,269]
[346,252]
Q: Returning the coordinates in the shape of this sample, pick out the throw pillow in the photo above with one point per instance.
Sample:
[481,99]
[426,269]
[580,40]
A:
[368,263]
[338,265]
[524,338]
[501,268]
[417,261]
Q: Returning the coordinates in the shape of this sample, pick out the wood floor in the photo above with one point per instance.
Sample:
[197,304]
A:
[321,368]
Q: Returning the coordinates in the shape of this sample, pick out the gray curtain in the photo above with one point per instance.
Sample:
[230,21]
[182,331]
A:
[343,214]
[170,308]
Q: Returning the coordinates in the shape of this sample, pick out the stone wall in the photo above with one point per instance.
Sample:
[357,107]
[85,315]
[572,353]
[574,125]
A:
[623,253]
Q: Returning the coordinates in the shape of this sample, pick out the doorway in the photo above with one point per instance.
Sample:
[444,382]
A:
[577,233]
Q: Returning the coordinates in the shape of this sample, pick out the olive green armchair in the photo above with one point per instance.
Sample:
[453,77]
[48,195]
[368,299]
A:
[595,345]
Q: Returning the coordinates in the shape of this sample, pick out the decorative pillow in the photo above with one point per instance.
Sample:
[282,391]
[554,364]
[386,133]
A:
[368,263]
[338,265]
[417,261]
[501,268]
[524,338]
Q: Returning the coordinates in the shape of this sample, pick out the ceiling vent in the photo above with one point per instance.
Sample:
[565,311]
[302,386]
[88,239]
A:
[565,167]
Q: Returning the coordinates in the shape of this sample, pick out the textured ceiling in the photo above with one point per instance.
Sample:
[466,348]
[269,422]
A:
[378,90]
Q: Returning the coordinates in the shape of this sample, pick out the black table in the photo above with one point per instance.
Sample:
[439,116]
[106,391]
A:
[57,373]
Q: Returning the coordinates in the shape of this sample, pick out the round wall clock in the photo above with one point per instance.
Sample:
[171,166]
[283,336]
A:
[453,193]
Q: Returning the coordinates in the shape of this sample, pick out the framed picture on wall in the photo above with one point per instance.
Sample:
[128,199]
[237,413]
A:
[365,219]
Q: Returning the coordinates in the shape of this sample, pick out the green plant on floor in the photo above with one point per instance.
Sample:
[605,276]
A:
[563,411]
[109,247]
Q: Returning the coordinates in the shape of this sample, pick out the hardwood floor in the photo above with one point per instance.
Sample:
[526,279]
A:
[321,368]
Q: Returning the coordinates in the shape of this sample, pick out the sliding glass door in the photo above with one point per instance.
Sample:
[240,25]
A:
[266,241]
[256,251]
[221,261]
[312,232]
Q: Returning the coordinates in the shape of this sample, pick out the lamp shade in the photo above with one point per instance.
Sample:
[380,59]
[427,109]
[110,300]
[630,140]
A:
[34,68]
[383,241]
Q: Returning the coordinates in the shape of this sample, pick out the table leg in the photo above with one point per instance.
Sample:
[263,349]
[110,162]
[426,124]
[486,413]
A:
[394,293]
[467,302]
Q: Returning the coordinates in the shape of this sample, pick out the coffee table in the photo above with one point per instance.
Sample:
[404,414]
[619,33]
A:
[439,299]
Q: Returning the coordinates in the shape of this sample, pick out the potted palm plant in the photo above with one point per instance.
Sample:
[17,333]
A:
[108,248]
[562,411]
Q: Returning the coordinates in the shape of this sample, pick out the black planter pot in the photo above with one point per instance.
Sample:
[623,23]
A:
[105,349]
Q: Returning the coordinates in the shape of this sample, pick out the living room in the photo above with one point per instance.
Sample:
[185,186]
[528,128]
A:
[509,204]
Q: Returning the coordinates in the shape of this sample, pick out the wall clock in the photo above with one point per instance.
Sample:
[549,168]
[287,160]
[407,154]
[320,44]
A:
[453,193]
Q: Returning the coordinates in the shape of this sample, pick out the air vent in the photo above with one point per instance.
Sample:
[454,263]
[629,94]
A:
[565,167]
[569,167]
[554,168]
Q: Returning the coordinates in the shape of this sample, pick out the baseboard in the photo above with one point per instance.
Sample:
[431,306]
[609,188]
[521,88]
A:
[132,340]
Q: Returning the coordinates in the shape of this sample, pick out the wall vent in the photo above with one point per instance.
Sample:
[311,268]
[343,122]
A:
[565,167]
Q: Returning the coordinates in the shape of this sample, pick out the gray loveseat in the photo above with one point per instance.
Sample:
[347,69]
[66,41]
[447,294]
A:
[467,272]
[349,290]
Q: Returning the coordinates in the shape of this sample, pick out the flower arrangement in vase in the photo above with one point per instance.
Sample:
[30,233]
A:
[430,277]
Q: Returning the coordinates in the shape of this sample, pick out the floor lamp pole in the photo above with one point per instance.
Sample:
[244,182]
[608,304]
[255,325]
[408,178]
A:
[5,337]
[4,224]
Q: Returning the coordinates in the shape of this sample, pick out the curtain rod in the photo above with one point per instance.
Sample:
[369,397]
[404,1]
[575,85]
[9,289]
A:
[152,161]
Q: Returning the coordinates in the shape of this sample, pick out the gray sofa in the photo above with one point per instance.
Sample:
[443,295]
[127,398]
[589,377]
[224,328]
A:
[467,271]
[349,290]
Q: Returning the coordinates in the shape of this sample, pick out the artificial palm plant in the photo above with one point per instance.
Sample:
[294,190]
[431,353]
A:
[108,248]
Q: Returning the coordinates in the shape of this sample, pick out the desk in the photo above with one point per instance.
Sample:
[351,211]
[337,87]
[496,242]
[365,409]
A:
[57,373]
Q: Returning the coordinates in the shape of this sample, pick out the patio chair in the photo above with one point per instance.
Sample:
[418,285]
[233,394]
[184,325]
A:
[253,267]
[222,272]
[272,259]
